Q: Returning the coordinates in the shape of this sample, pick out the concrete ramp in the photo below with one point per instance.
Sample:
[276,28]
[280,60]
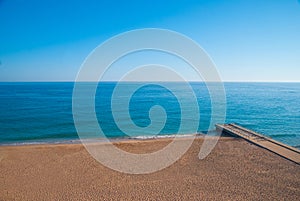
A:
[281,149]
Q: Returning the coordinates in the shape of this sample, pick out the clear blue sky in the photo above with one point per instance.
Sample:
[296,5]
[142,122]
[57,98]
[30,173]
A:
[255,40]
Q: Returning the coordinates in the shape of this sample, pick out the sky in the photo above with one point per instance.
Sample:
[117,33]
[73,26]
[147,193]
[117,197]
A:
[248,40]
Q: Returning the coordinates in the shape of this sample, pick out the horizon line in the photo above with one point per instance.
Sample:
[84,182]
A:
[226,81]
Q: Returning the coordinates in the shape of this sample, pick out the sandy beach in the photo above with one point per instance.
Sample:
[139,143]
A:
[235,170]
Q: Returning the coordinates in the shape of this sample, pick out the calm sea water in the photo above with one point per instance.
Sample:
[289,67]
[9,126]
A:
[42,112]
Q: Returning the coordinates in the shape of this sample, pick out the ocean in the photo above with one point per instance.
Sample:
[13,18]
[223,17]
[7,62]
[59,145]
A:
[41,112]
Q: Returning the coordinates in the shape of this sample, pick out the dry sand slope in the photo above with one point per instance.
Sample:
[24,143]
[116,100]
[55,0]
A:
[235,170]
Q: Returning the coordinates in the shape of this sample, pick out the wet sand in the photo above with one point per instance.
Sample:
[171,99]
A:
[235,170]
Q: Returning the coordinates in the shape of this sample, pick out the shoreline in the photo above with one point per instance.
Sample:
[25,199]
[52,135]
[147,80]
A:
[113,139]
[116,140]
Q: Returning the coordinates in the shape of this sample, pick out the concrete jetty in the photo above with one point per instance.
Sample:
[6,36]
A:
[278,148]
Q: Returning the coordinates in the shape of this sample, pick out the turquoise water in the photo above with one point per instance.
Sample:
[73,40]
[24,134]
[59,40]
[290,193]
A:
[42,112]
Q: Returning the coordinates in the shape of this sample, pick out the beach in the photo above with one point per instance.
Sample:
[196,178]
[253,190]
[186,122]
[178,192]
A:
[234,170]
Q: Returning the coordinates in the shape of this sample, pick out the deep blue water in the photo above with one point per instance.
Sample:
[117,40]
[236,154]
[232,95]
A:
[42,112]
